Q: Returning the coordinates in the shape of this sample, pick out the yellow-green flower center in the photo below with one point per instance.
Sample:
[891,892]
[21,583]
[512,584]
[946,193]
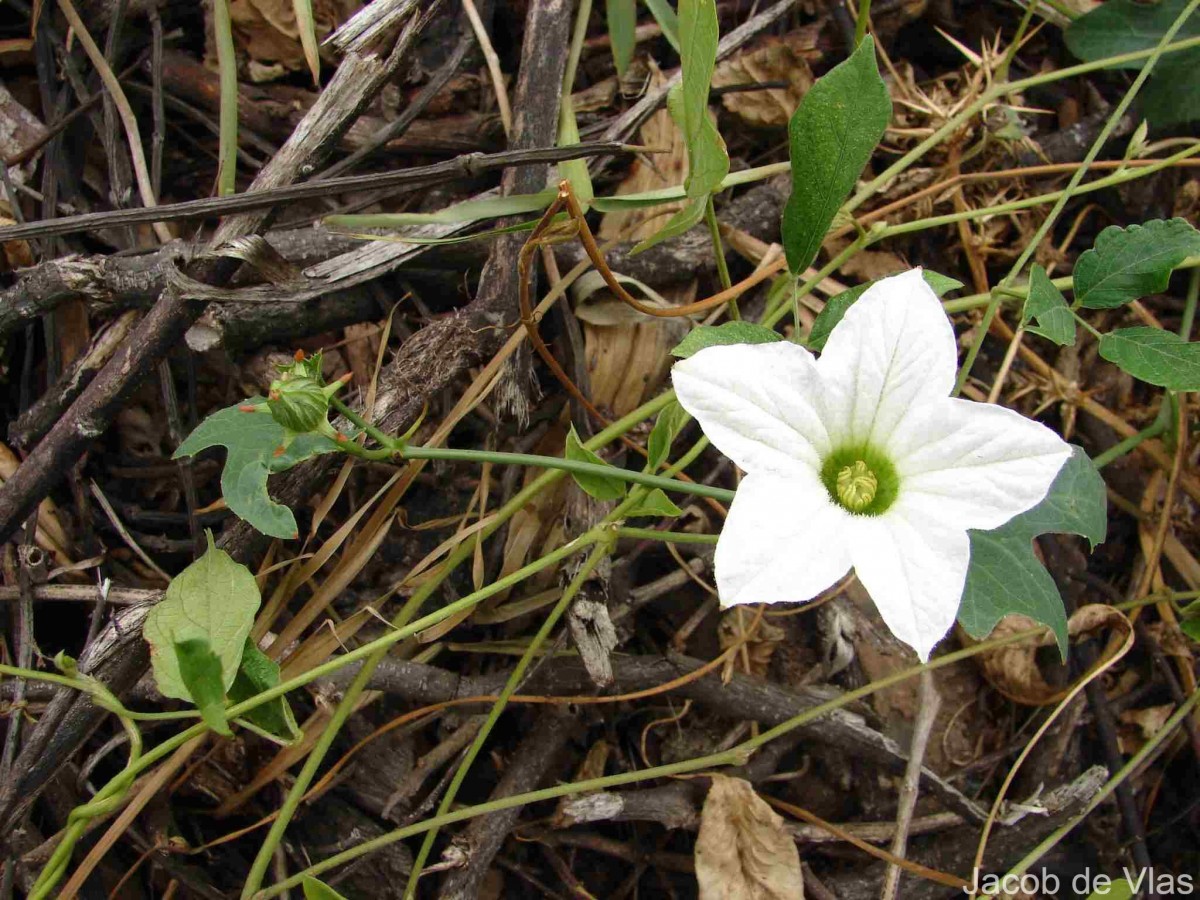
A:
[856,486]
[860,479]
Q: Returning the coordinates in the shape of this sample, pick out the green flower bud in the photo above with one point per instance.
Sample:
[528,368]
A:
[299,404]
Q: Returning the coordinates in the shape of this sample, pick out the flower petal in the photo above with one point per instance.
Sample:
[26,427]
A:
[784,541]
[914,567]
[893,350]
[760,404]
[976,464]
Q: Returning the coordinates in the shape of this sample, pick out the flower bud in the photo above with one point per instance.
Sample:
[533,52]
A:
[299,404]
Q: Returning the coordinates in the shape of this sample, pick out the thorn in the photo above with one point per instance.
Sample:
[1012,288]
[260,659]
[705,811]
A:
[248,407]
[280,450]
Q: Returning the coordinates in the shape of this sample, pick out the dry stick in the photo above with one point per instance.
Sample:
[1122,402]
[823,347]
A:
[929,703]
[1089,677]
[891,858]
[467,165]
[361,74]
[128,120]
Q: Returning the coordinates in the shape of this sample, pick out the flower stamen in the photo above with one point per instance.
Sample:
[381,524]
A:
[856,486]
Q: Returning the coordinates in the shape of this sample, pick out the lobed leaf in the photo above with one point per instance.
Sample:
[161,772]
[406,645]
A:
[1126,264]
[737,332]
[251,440]
[1154,356]
[831,137]
[213,600]
[1005,577]
[1046,306]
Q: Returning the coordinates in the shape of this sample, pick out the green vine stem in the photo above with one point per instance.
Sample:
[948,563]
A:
[1135,764]
[669,537]
[734,756]
[603,546]
[393,448]
[714,230]
[1032,245]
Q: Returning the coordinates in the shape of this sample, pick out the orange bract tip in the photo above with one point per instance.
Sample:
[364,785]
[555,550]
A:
[298,356]
[295,535]
[341,438]
[273,395]
[280,450]
[248,407]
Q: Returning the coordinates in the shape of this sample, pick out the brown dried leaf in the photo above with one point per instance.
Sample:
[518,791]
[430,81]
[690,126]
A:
[743,851]
[773,59]
[267,32]
[1139,725]
[1014,670]
[759,645]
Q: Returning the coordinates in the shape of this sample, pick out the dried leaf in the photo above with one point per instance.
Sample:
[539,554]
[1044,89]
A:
[1014,671]
[743,851]
[779,59]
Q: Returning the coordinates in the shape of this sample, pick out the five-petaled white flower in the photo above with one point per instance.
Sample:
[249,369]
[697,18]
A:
[862,459]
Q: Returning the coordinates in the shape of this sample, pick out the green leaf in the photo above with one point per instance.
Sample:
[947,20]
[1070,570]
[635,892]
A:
[666,428]
[257,673]
[1155,356]
[622,25]
[200,670]
[1172,94]
[251,439]
[687,102]
[667,20]
[655,503]
[214,600]
[1048,307]
[836,306]
[1190,623]
[596,485]
[318,890]
[459,214]
[1005,577]
[831,135]
[1121,889]
[739,332]
[573,170]
[1126,264]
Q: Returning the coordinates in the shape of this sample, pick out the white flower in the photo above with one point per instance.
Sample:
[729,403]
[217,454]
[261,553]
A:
[862,459]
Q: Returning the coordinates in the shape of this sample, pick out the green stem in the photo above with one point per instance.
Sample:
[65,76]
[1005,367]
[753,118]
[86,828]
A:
[714,230]
[377,650]
[734,756]
[1135,763]
[570,465]
[860,24]
[669,537]
[1189,307]
[1116,451]
[1010,54]
[1069,191]
[374,652]
[227,139]
[599,552]
[991,96]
